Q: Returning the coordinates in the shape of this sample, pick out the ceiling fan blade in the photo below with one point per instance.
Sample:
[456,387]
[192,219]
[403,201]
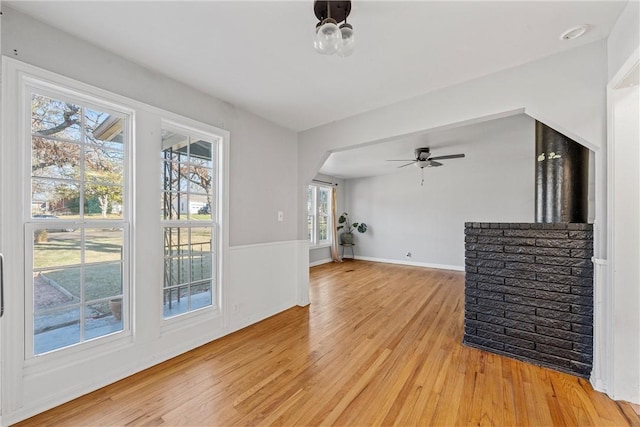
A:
[450,156]
[434,164]
[406,165]
[405,160]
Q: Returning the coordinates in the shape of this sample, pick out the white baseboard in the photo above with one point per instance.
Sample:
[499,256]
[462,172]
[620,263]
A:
[241,323]
[413,263]
[320,262]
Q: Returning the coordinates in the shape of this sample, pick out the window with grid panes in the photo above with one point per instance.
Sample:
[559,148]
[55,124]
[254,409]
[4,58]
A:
[319,215]
[78,224]
[188,216]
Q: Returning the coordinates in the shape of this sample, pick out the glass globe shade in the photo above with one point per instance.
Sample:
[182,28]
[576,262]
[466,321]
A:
[318,47]
[316,42]
[328,37]
[348,42]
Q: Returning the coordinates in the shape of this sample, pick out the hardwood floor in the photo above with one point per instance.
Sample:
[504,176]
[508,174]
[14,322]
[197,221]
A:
[380,344]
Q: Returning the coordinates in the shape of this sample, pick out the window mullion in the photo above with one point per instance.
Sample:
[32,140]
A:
[315,215]
[82,164]
[319,198]
[83,150]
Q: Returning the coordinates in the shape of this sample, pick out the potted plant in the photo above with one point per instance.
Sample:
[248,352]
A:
[347,236]
[115,305]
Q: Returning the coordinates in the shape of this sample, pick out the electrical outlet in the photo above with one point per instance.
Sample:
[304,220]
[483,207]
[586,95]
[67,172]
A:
[280,216]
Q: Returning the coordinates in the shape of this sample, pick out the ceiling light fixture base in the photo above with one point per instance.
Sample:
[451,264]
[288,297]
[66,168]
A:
[338,10]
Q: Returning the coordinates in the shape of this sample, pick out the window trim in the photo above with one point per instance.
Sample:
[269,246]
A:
[219,230]
[190,224]
[316,243]
[88,97]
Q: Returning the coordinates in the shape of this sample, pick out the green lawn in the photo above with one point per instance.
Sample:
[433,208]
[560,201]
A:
[201,217]
[56,256]
[59,249]
[62,249]
[101,281]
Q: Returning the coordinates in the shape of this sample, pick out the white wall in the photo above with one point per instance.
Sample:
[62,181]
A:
[1,350]
[257,293]
[493,183]
[624,37]
[625,250]
[617,314]
[263,181]
[322,255]
[620,306]
[265,264]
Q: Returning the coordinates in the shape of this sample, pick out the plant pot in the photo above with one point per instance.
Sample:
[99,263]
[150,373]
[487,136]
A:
[41,236]
[347,238]
[115,305]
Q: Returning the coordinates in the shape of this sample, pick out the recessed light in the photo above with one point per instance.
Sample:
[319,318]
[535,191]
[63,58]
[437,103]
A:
[575,32]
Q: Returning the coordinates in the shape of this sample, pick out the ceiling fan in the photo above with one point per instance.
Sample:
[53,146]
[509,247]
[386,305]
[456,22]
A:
[424,160]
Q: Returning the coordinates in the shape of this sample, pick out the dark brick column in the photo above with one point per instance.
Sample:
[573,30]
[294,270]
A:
[529,292]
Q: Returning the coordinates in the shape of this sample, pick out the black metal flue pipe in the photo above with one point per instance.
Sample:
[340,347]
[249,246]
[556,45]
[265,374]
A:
[562,177]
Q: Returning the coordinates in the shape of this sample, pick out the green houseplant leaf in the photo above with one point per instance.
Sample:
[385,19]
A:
[350,226]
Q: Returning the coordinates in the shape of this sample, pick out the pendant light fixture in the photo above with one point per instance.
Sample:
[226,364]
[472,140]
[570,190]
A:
[330,38]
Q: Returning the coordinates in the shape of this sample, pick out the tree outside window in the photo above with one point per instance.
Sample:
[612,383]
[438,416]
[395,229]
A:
[77,163]
[78,223]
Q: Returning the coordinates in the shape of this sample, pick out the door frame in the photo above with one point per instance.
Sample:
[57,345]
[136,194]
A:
[608,375]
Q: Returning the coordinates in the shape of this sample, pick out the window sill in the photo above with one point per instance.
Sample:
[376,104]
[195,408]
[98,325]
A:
[324,245]
[190,318]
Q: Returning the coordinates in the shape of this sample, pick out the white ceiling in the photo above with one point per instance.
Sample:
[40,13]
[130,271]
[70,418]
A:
[258,55]
[371,160]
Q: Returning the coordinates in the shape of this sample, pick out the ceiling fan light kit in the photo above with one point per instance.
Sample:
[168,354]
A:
[424,160]
[329,37]
[427,164]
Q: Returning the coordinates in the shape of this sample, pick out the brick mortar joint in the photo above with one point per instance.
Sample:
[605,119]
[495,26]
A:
[513,249]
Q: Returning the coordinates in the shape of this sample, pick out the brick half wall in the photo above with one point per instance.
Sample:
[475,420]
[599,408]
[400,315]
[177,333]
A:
[529,293]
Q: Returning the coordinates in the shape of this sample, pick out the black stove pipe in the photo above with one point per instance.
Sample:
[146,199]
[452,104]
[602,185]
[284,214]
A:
[562,177]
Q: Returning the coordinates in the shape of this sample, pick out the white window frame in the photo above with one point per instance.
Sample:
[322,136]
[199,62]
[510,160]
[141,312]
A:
[79,94]
[217,138]
[215,141]
[28,384]
[315,241]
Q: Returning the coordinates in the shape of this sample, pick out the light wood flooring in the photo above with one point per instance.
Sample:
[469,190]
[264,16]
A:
[380,344]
